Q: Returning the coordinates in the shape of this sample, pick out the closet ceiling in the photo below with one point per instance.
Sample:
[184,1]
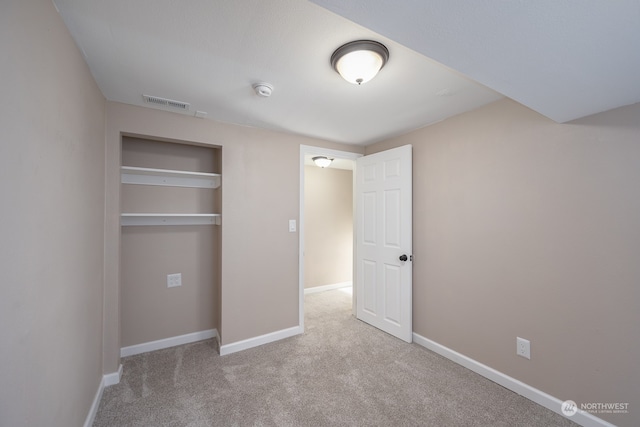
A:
[563,59]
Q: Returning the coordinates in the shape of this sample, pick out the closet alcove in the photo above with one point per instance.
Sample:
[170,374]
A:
[170,224]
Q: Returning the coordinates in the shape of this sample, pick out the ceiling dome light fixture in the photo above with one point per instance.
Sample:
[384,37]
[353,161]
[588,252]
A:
[322,161]
[359,61]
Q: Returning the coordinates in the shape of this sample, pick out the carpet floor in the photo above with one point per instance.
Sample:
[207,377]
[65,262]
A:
[340,372]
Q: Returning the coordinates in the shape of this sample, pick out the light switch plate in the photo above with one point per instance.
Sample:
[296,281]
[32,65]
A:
[292,226]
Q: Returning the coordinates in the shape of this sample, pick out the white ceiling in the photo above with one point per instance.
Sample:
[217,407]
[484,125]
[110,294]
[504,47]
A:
[563,60]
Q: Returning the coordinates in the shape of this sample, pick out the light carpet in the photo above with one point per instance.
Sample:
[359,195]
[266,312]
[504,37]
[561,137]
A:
[340,372]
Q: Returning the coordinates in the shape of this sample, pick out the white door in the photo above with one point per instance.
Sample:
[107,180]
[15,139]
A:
[383,241]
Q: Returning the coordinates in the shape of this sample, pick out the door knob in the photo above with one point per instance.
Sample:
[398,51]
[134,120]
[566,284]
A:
[403,257]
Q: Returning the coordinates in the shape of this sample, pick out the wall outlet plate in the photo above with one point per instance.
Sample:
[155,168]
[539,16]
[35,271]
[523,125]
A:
[523,348]
[174,280]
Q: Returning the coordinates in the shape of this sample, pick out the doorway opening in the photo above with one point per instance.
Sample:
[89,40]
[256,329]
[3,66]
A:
[326,247]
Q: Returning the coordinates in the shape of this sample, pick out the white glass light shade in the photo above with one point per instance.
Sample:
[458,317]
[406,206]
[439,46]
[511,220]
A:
[322,161]
[360,66]
[359,61]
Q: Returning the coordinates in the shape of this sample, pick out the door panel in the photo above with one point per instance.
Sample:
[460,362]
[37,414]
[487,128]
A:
[392,218]
[393,310]
[383,234]
[369,294]
[369,218]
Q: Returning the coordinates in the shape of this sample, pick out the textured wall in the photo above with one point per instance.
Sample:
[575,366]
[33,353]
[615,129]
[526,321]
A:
[328,217]
[52,209]
[525,227]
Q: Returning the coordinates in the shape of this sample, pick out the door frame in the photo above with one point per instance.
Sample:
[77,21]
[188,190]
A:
[306,150]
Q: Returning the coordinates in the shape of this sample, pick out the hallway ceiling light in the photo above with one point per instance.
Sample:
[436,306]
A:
[359,61]
[322,161]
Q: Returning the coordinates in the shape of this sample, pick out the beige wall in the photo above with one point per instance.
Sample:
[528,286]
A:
[149,310]
[328,218]
[525,227]
[260,193]
[521,227]
[52,210]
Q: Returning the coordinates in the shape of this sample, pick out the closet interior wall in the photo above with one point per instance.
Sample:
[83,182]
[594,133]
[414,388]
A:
[150,310]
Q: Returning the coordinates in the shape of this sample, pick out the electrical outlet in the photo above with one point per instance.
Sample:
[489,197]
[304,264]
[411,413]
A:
[174,280]
[523,348]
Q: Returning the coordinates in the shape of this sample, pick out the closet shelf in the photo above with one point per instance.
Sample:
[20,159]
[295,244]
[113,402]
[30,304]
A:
[127,219]
[167,177]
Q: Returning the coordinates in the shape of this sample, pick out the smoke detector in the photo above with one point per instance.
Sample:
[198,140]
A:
[263,89]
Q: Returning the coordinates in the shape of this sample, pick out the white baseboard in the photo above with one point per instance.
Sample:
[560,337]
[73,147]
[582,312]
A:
[91,416]
[112,379]
[168,342]
[552,403]
[327,287]
[107,380]
[262,339]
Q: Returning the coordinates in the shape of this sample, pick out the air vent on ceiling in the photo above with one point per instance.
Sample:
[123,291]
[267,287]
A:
[163,102]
